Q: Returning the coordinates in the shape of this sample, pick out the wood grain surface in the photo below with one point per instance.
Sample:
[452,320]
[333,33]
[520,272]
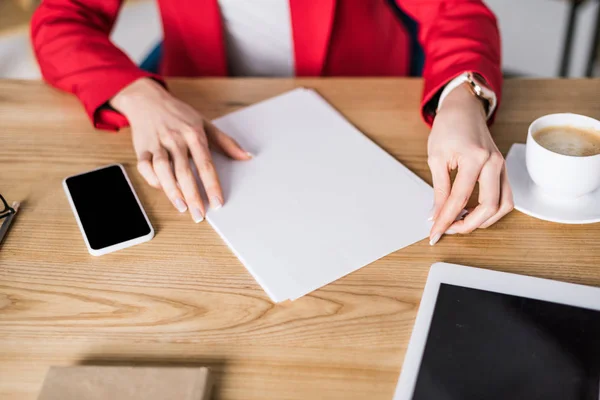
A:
[184,299]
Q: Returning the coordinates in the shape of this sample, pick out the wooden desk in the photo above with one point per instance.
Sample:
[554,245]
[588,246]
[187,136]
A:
[183,298]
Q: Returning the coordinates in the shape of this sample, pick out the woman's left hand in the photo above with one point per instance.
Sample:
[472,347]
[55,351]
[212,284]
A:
[460,139]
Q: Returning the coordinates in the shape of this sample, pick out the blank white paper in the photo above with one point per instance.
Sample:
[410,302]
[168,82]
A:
[318,201]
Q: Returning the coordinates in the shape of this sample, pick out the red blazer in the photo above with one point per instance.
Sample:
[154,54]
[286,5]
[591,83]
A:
[331,38]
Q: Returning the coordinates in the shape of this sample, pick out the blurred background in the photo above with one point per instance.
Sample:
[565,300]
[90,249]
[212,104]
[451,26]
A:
[541,38]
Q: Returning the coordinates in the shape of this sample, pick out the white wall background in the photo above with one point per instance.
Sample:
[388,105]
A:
[533,33]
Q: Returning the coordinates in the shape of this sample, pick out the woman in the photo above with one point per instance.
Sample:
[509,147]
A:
[279,38]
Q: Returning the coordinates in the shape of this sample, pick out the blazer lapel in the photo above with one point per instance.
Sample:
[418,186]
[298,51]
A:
[312,22]
[203,32]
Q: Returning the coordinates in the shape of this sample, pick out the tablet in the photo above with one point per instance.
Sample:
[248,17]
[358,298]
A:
[487,335]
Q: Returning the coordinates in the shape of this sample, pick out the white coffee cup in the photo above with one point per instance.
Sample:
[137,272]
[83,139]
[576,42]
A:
[557,174]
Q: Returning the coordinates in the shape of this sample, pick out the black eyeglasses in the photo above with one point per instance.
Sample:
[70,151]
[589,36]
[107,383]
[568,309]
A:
[5,209]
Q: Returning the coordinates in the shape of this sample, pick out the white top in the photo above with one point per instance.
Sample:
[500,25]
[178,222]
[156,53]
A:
[258,36]
[259,41]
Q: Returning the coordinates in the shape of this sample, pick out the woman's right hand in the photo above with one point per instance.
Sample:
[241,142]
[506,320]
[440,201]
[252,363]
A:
[165,133]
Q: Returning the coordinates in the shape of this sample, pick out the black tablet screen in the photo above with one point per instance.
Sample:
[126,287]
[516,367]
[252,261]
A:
[489,346]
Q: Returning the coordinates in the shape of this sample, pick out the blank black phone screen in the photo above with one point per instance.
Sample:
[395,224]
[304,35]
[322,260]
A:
[107,207]
[491,346]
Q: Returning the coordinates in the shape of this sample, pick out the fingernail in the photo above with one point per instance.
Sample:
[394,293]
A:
[450,232]
[435,239]
[181,207]
[430,218]
[215,203]
[249,154]
[197,215]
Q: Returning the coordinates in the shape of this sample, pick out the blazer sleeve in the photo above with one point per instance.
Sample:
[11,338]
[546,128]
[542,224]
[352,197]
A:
[457,36]
[71,42]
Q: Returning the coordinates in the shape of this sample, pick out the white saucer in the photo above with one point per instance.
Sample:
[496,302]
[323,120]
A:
[530,199]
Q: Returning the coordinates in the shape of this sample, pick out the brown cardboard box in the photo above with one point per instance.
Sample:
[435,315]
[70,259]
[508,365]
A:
[126,383]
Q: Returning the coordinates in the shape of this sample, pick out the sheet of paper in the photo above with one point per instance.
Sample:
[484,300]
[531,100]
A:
[318,201]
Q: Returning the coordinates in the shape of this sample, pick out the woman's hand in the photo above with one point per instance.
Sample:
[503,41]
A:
[166,132]
[460,139]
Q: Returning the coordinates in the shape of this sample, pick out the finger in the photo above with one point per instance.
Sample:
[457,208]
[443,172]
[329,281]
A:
[225,144]
[489,199]
[441,184]
[506,201]
[164,172]
[466,178]
[145,169]
[187,182]
[205,167]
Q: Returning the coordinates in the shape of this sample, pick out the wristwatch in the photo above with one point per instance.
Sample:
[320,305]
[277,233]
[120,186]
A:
[477,86]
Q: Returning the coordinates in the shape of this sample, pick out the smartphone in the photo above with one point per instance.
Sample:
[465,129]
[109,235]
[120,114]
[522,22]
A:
[107,209]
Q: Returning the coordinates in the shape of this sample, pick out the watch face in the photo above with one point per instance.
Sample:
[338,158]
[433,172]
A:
[481,90]
[474,88]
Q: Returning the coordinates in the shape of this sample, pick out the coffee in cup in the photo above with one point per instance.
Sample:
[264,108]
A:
[569,140]
[563,154]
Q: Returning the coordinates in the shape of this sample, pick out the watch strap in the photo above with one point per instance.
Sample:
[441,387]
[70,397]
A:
[478,88]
